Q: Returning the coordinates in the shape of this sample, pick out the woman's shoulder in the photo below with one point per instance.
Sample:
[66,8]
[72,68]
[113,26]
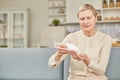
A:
[74,33]
[104,35]
[71,37]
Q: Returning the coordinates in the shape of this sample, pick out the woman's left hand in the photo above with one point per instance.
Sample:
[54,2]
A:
[85,58]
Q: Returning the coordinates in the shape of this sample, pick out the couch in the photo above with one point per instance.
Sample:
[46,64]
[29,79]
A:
[32,64]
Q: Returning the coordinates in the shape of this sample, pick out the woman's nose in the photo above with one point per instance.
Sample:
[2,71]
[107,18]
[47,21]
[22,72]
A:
[85,21]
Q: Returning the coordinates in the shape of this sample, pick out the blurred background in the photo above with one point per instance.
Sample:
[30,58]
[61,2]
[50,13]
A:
[45,23]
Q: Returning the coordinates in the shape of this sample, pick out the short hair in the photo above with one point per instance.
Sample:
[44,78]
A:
[87,7]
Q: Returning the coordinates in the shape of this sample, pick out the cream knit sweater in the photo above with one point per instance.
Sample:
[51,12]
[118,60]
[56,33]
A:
[97,48]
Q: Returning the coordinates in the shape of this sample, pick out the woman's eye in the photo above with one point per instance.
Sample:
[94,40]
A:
[88,17]
[82,18]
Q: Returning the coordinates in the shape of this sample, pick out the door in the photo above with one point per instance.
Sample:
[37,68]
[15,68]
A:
[13,29]
[18,29]
[4,29]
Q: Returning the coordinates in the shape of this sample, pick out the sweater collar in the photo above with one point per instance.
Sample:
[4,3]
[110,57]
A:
[83,35]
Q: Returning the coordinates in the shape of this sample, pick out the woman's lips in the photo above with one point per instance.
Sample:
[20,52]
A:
[86,26]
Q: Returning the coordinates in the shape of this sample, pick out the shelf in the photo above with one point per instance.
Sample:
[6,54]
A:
[3,38]
[109,21]
[18,24]
[61,24]
[116,44]
[110,14]
[74,23]
[55,0]
[57,10]
[57,15]
[52,7]
[111,8]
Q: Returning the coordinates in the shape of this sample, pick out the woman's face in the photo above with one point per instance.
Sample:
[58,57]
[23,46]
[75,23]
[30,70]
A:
[87,20]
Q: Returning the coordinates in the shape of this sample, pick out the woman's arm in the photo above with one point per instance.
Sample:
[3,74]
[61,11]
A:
[56,59]
[100,67]
[60,54]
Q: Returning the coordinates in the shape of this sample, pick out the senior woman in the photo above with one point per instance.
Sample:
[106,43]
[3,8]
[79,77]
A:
[88,47]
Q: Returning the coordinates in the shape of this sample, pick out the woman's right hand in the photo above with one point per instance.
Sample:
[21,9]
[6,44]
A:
[62,49]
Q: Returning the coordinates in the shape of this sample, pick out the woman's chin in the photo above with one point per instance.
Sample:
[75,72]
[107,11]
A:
[86,29]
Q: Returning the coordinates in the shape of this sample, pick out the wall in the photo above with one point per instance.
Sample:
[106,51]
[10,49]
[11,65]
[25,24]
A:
[71,12]
[38,14]
[52,36]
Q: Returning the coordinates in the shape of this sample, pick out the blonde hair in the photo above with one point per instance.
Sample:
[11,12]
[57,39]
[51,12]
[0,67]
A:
[87,7]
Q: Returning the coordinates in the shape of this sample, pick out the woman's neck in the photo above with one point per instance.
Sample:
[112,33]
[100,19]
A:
[90,33]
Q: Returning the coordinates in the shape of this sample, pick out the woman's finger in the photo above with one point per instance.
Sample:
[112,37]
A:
[75,55]
[85,58]
[62,49]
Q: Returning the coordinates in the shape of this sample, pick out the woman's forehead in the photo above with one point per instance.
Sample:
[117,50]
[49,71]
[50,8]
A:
[85,12]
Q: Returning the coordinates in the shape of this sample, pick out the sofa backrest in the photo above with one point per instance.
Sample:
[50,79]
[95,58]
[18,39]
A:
[28,63]
[32,63]
[113,68]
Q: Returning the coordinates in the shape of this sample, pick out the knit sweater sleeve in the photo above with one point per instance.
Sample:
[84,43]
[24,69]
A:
[52,62]
[100,67]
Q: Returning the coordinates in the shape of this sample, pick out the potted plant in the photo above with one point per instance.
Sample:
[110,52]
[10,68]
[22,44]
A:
[56,22]
[3,46]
